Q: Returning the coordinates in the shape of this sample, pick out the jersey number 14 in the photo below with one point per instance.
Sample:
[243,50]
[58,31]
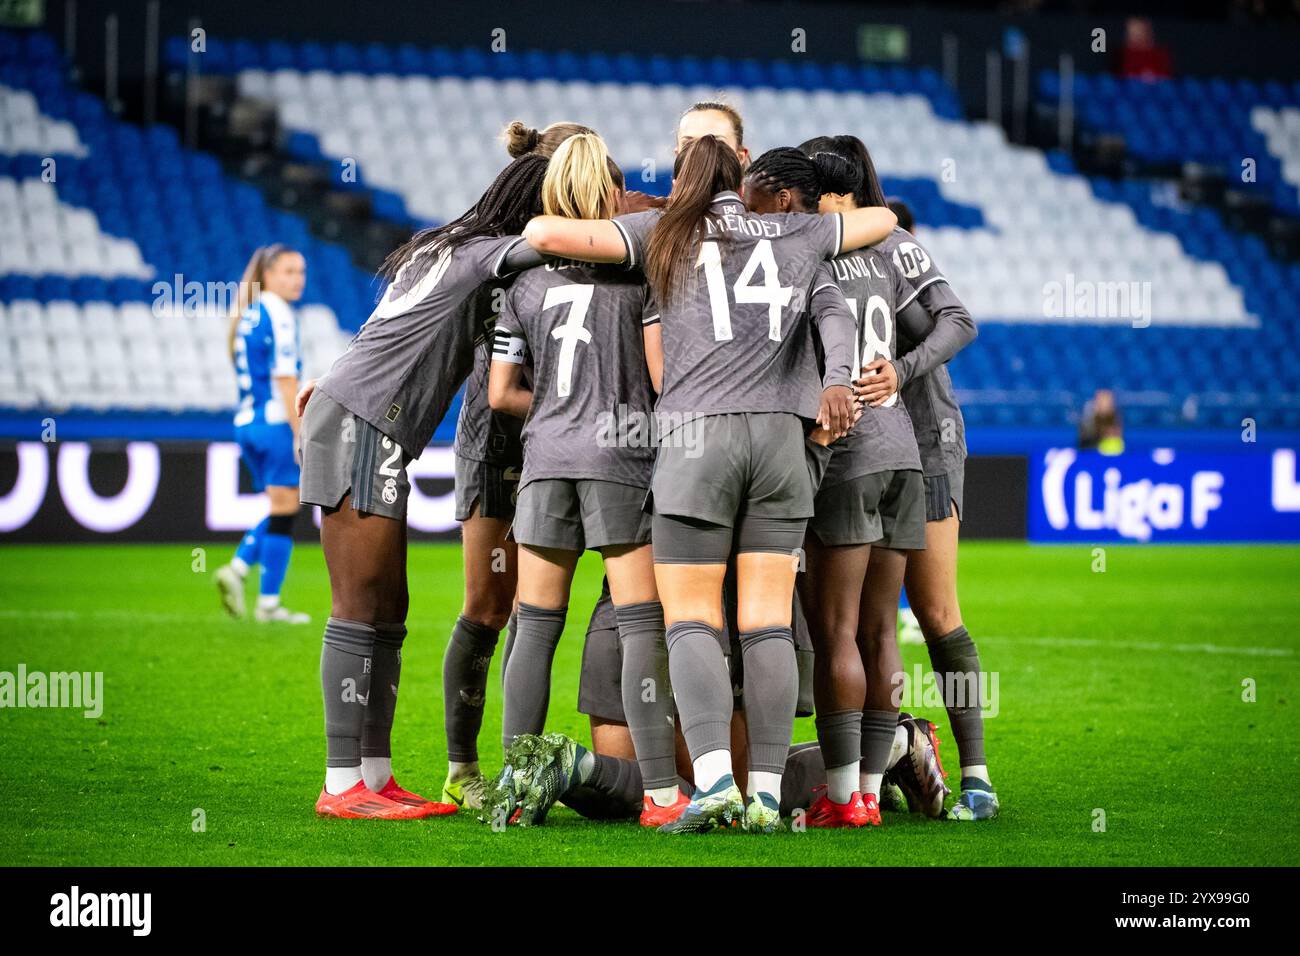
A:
[770,291]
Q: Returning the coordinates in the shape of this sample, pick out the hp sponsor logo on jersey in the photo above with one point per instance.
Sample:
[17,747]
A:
[911,260]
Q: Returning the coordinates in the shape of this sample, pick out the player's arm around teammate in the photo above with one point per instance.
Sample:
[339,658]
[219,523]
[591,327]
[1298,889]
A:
[931,574]
[585,477]
[488,457]
[707,176]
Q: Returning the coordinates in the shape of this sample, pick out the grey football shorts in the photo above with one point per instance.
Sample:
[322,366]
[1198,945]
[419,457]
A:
[943,492]
[494,488]
[719,467]
[691,541]
[342,453]
[580,515]
[887,509]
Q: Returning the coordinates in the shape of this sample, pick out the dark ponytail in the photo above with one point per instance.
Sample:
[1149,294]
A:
[505,207]
[844,165]
[704,168]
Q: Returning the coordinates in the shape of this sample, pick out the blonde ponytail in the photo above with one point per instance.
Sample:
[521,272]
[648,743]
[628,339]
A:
[579,183]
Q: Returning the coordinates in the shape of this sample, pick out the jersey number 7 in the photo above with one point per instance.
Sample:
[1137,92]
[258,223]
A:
[572,331]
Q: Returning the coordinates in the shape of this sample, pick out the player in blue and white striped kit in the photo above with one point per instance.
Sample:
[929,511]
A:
[264,348]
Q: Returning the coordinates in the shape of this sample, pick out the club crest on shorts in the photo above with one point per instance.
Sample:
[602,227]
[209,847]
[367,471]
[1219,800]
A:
[389,494]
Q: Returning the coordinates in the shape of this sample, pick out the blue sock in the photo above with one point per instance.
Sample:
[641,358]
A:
[276,549]
[903,604]
[250,546]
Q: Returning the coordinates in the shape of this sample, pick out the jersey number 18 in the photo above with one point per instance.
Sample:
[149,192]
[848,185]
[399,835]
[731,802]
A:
[870,345]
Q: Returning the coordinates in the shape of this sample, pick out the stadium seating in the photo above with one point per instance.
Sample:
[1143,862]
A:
[1218,122]
[100,266]
[1018,231]
[1003,221]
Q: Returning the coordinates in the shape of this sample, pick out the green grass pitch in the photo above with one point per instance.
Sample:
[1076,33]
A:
[1120,693]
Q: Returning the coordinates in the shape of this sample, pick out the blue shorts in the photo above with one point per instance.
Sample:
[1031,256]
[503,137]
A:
[267,450]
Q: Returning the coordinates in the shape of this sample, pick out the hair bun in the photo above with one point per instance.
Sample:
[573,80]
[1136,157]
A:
[520,139]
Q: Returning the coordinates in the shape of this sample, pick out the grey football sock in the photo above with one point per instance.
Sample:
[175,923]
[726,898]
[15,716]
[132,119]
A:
[647,696]
[528,673]
[771,694]
[612,791]
[701,686]
[878,728]
[512,626]
[840,736]
[345,687]
[805,772]
[385,675]
[595,804]
[956,663]
[464,686]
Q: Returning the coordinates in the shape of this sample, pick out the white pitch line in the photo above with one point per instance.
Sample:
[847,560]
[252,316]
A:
[110,614]
[1224,649]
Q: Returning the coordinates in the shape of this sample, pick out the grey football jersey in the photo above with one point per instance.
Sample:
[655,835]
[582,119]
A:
[593,406]
[482,434]
[404,367]
[737,337]
[882,439]
[936,416]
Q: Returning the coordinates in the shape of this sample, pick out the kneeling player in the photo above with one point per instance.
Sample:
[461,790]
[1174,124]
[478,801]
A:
[604,782]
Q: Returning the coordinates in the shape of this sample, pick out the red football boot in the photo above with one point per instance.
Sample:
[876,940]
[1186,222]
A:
[872,804]
[398,794]
[358,802]
[653,815]
[827,814]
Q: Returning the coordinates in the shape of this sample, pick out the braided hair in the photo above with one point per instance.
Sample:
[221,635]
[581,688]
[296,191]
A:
[787,168]
[845,166]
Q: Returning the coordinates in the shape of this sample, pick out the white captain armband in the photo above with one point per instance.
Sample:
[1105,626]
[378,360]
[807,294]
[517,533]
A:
[509,348]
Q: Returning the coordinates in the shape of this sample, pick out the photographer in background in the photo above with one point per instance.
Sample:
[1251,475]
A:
[1101,426]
